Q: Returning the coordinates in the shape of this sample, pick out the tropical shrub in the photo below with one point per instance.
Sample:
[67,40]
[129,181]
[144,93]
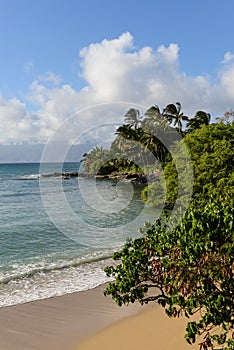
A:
[187,269]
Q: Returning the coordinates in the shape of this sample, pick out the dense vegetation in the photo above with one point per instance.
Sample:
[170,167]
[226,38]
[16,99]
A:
[188,270]
[142,140]
[211,149]
[187,266]
[149,143]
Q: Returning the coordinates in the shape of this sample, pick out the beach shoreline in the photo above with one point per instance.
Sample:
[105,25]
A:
[89,321]
[149,329]
[59,323]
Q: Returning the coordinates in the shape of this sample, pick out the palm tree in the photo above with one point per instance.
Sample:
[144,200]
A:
[152,146]
[200,118]
[157,130]
[128,141]
[133,118]
[153,118]
[147,133]
[153,112]
[121,146]
[173,114]
[95,159]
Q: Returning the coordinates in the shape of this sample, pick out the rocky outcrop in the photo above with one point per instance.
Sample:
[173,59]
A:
[134,178]
[67,175]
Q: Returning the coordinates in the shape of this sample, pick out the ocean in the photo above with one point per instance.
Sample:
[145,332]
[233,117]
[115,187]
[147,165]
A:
[58,234]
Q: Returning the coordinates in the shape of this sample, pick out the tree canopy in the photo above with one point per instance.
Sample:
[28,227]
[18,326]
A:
[186,266]
[211,149]
[188,269]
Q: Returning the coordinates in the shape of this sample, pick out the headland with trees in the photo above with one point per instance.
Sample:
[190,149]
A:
[186,266]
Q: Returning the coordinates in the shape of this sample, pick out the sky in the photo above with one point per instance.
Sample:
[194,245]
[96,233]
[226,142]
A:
[69,57]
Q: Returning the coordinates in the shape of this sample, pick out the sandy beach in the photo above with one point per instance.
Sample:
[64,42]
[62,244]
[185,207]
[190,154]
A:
[150,329]
[86,321]
[58,323]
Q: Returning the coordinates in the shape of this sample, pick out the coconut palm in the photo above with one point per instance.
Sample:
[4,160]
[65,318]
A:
[149,145]
[154,146]
[128,142]
[173,115]
[153,116]
[96,159]
[156,129]
[200,118]
[133,118]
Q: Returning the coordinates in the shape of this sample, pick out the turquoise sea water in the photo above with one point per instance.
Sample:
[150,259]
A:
[56,235]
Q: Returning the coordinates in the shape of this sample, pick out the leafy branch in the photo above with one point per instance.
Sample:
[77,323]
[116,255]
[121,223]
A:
[188,269]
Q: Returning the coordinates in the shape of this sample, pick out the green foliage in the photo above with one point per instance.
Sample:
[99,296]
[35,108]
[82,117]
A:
[211,149]
[138,141]
[173,114]
[212,152]
[164,190]
[143,140]
[187,269]
[201,118]
[96,159]
[133,118]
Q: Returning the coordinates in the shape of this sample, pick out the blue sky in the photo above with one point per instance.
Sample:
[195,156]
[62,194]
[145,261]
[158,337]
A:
[56,54]
[49,34]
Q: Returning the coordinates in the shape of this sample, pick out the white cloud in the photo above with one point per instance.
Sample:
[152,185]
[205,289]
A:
[17,125]
[49,77]
[228,57]
[227,80]
[170,53]
[114,71]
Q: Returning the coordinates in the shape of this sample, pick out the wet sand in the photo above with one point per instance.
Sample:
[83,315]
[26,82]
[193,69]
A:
[89,321]
[58,323]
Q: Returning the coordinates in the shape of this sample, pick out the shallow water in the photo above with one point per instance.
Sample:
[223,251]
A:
[57,235]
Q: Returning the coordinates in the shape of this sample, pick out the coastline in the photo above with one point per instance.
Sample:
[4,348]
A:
[88,320]
[59,323]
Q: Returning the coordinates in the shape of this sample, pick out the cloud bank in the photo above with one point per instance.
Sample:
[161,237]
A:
[114,71]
